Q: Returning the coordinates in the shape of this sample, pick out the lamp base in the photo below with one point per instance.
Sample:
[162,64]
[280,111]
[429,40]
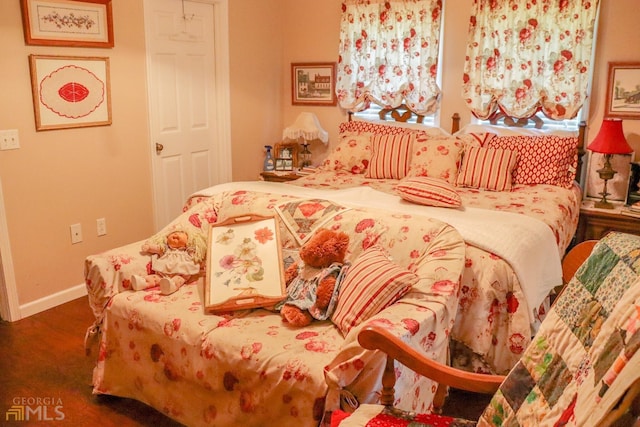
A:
[603,204]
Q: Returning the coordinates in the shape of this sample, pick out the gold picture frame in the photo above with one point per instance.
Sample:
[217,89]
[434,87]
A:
[286,154]
[244,264]
[70,91]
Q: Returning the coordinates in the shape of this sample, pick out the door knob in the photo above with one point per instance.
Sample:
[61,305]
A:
[159,148]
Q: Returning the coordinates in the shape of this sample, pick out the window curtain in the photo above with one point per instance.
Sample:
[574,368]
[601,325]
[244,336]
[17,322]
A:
[389,54]
[526,56]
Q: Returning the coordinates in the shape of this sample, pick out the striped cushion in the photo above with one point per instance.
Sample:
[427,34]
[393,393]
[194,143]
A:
[372,283]
[428,191]
[487,168]
[391,156]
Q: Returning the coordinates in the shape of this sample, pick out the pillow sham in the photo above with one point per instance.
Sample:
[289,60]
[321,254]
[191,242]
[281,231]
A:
[436,158]
[372,283]
[547,159]
[390,156]
[487,168]
[352,153]
[428,191]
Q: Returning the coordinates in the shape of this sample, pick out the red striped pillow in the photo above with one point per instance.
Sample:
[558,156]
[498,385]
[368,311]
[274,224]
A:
[391,156]
[372,283]
[487,168]
[429,191]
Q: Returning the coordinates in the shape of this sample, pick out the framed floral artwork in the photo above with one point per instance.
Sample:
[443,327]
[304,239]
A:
[623,96]
[244,264]
[313,83]
[70,91]
[75,23]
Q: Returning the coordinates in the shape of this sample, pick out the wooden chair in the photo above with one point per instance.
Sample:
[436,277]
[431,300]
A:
[581,368]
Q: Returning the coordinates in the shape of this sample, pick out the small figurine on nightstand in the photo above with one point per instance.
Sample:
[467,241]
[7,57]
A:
[268,160]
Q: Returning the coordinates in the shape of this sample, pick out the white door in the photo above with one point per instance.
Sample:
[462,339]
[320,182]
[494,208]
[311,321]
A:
[188,99]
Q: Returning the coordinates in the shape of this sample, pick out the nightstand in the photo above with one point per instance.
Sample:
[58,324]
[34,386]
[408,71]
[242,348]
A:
[280,176]
[595,223]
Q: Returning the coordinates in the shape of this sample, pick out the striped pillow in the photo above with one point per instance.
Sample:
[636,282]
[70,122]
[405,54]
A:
[390,157]
[372,283]
[428,191]
[487,168]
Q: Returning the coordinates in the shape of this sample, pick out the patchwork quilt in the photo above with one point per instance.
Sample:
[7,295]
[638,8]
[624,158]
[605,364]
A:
[585,354]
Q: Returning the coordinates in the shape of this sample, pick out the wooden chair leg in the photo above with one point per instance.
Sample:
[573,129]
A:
[388,383]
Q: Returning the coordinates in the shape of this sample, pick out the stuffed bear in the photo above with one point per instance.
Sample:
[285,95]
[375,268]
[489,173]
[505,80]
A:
[312,286]
[174,261]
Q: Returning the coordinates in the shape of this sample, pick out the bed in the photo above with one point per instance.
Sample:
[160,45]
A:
[477,252]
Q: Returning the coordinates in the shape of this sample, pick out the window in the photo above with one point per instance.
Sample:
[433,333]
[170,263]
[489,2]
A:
[388,54]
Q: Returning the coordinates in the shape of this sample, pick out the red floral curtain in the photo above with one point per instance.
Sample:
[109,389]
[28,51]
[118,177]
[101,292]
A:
[389,54]
[525,56]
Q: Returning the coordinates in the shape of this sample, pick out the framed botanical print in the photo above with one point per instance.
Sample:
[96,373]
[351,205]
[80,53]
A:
[244,264]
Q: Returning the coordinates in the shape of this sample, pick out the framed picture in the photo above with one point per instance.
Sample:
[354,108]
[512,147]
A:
[287,150]
[244,264]
[74,23]
[623,96]
[313,83]
[70,91]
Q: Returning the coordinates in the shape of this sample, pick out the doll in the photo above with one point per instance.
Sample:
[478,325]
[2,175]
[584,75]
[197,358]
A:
[173,261]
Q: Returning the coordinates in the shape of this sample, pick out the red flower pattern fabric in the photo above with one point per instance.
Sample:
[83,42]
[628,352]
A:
[391,59]
[524,56]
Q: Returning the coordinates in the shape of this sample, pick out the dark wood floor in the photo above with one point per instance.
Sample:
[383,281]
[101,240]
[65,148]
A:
[43,356]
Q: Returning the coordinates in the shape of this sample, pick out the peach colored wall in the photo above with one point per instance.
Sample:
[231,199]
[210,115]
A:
[66,176]
[311,35]
[61,177]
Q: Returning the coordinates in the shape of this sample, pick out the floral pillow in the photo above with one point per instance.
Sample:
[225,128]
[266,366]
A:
[429,191]
[372,283]
[352,154]
[487,169]
[436,158]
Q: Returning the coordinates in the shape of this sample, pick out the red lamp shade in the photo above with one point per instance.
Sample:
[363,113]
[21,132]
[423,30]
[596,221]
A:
[610,139]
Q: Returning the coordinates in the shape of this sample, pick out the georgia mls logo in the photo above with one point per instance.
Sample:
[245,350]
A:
[35,408]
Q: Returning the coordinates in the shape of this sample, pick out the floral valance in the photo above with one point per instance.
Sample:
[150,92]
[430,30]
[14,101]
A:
[525,56]
[389,54]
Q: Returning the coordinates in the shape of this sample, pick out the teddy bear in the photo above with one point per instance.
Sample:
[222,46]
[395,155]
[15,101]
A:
[312,285]
[175,260]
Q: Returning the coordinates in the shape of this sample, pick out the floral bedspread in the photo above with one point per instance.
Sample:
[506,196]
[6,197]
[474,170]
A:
[248,367]
[492,328]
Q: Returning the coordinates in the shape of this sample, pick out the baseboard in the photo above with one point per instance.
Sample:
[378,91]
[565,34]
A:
[51,301]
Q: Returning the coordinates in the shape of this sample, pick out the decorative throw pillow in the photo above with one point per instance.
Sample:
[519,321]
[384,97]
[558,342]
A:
[390,156]
[548,159]
[487,168]
[436,158]
[372,283]
[476,139]
[352,154]
[428,191]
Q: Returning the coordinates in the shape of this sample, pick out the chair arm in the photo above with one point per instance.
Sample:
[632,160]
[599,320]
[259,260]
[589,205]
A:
[377,338]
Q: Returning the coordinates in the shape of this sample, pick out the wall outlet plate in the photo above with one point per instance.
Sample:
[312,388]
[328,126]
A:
[9,139]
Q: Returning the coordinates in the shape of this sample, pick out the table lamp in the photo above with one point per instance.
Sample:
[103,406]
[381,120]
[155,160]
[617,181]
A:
[609,141]
[305,129]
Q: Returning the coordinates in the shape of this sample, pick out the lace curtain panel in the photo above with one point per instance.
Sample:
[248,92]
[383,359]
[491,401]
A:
[527,56]
[389,54]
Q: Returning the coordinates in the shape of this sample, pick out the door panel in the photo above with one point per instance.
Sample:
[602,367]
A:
[182,95]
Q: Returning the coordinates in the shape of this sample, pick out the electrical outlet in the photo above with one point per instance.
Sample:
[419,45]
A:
[9,139]
[76,233]
[101,225]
